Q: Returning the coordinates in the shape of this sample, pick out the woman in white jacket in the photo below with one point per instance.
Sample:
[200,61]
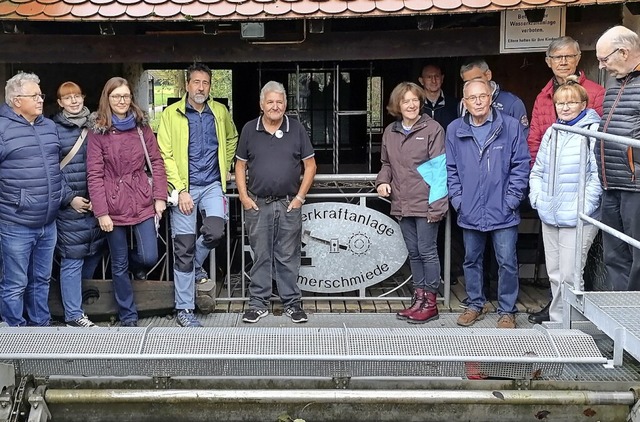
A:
[557,205]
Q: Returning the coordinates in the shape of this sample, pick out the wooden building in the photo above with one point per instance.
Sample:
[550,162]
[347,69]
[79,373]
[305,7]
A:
[367,46]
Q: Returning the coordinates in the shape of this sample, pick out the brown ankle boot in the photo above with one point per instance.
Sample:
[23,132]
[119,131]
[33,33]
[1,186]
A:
[416,303]
[427,312]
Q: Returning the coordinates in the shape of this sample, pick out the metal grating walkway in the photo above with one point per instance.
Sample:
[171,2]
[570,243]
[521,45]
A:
[297,351]
[617,314]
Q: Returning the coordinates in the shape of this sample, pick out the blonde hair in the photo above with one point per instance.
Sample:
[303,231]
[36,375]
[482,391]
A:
[571,88]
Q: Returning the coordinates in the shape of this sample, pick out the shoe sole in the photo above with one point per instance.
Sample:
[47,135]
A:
[415,321]
[81,326]
[253,321]
[298,321]
[479,318]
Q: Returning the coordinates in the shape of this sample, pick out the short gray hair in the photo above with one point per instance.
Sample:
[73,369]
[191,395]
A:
[562,42]
[15,85]
[476,81]
[272,86]
[480,63]
[623,37]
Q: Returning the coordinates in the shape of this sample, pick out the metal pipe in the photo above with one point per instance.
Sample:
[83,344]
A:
[600,135]
[475,397]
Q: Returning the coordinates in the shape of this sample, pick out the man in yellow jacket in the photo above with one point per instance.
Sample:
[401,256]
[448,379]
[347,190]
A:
[198,141]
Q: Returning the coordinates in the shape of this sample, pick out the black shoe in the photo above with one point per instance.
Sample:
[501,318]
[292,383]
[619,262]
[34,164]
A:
[139,274]
[540,316]
[296,314]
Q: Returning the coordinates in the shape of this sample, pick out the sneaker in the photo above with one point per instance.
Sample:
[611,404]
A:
[201,276]
[132,323]
[254,315]
[186,318]
[469,317]
[464,303]
[82,322]
[296,314]
[506,321]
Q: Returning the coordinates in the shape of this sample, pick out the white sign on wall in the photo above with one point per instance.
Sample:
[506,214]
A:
[518,35]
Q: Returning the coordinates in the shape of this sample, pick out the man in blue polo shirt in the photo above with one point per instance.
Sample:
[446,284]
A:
[270,151]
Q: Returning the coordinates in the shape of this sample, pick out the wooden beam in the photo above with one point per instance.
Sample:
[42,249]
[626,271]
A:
[229,48]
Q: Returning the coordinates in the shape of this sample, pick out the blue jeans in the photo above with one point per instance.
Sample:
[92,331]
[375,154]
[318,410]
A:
[146,256]
[72,272]
[421,238]
[210,202]
[275,239]
[27,256]
[504,245]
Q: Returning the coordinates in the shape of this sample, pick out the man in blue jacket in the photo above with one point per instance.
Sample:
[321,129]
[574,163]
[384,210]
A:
[488,171]
[30,195]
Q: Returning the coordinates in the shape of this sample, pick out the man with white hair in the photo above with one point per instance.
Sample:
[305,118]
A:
[270,151]
[618,52]
[30,196]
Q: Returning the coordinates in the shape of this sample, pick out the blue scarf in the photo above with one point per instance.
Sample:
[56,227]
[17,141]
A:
[575,119]
[127,123]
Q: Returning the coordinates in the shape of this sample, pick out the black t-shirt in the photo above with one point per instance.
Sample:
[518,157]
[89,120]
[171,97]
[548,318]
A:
[274,160]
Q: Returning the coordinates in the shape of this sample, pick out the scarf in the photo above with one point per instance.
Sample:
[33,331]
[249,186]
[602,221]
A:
[575,119]
[127,123]
[77,119]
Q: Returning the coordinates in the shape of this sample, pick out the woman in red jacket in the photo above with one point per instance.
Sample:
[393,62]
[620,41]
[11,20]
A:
[122,195]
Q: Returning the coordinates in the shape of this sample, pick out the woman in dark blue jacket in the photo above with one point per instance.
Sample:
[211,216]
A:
[80,240]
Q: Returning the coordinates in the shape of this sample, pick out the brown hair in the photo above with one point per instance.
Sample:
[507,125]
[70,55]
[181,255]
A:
[572,88]
[104,114]
[68,88]
[398,94]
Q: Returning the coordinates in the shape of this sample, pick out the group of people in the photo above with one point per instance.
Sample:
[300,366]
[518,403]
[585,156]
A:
[485,160]
[82,181]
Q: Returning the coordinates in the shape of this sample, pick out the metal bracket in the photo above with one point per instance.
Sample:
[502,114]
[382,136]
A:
[522,384]
[162,383]
[341,382]
[634,414]
[6,402]
[39,410]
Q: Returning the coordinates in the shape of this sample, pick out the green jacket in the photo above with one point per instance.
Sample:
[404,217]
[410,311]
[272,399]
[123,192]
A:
[173,140]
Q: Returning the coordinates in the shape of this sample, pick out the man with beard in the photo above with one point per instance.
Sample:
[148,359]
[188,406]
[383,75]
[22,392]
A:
[198,140]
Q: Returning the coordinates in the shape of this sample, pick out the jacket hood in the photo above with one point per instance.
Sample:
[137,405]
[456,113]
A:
[9,113]
[590,118]
[92,124]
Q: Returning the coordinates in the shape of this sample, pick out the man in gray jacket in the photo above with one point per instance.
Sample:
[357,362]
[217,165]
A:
[618,51]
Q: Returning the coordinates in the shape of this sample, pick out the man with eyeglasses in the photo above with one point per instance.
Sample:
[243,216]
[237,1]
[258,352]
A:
[198,140]
[618,51]
[30,195]
[563,56]
[488,173]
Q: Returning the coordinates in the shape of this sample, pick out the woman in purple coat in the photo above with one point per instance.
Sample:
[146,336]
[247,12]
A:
[121,194]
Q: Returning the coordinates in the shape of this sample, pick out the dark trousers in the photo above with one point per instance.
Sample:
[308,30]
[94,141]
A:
[620,211]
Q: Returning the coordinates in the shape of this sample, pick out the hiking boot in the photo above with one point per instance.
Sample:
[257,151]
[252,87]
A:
[254,315]
[82,322]
[416,303]
[541,316]
[186,318]
[201,276]
[469,317]
[428,310]
[131,323]
[296,314]
[506,321]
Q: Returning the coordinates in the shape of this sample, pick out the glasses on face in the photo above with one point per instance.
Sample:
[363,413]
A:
[34,97]
[120,98]
[570,104]
[606,58]
[567,57]
[474,98]
[73,97]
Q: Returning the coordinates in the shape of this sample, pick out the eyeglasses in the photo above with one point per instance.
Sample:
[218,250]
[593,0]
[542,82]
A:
[474,98]
[569,104]
[119,98]
[73,97]
[34,97]
[606,58]
[567,57]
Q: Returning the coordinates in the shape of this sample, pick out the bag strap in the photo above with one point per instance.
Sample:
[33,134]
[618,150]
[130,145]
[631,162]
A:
[75,149]
[146,153]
